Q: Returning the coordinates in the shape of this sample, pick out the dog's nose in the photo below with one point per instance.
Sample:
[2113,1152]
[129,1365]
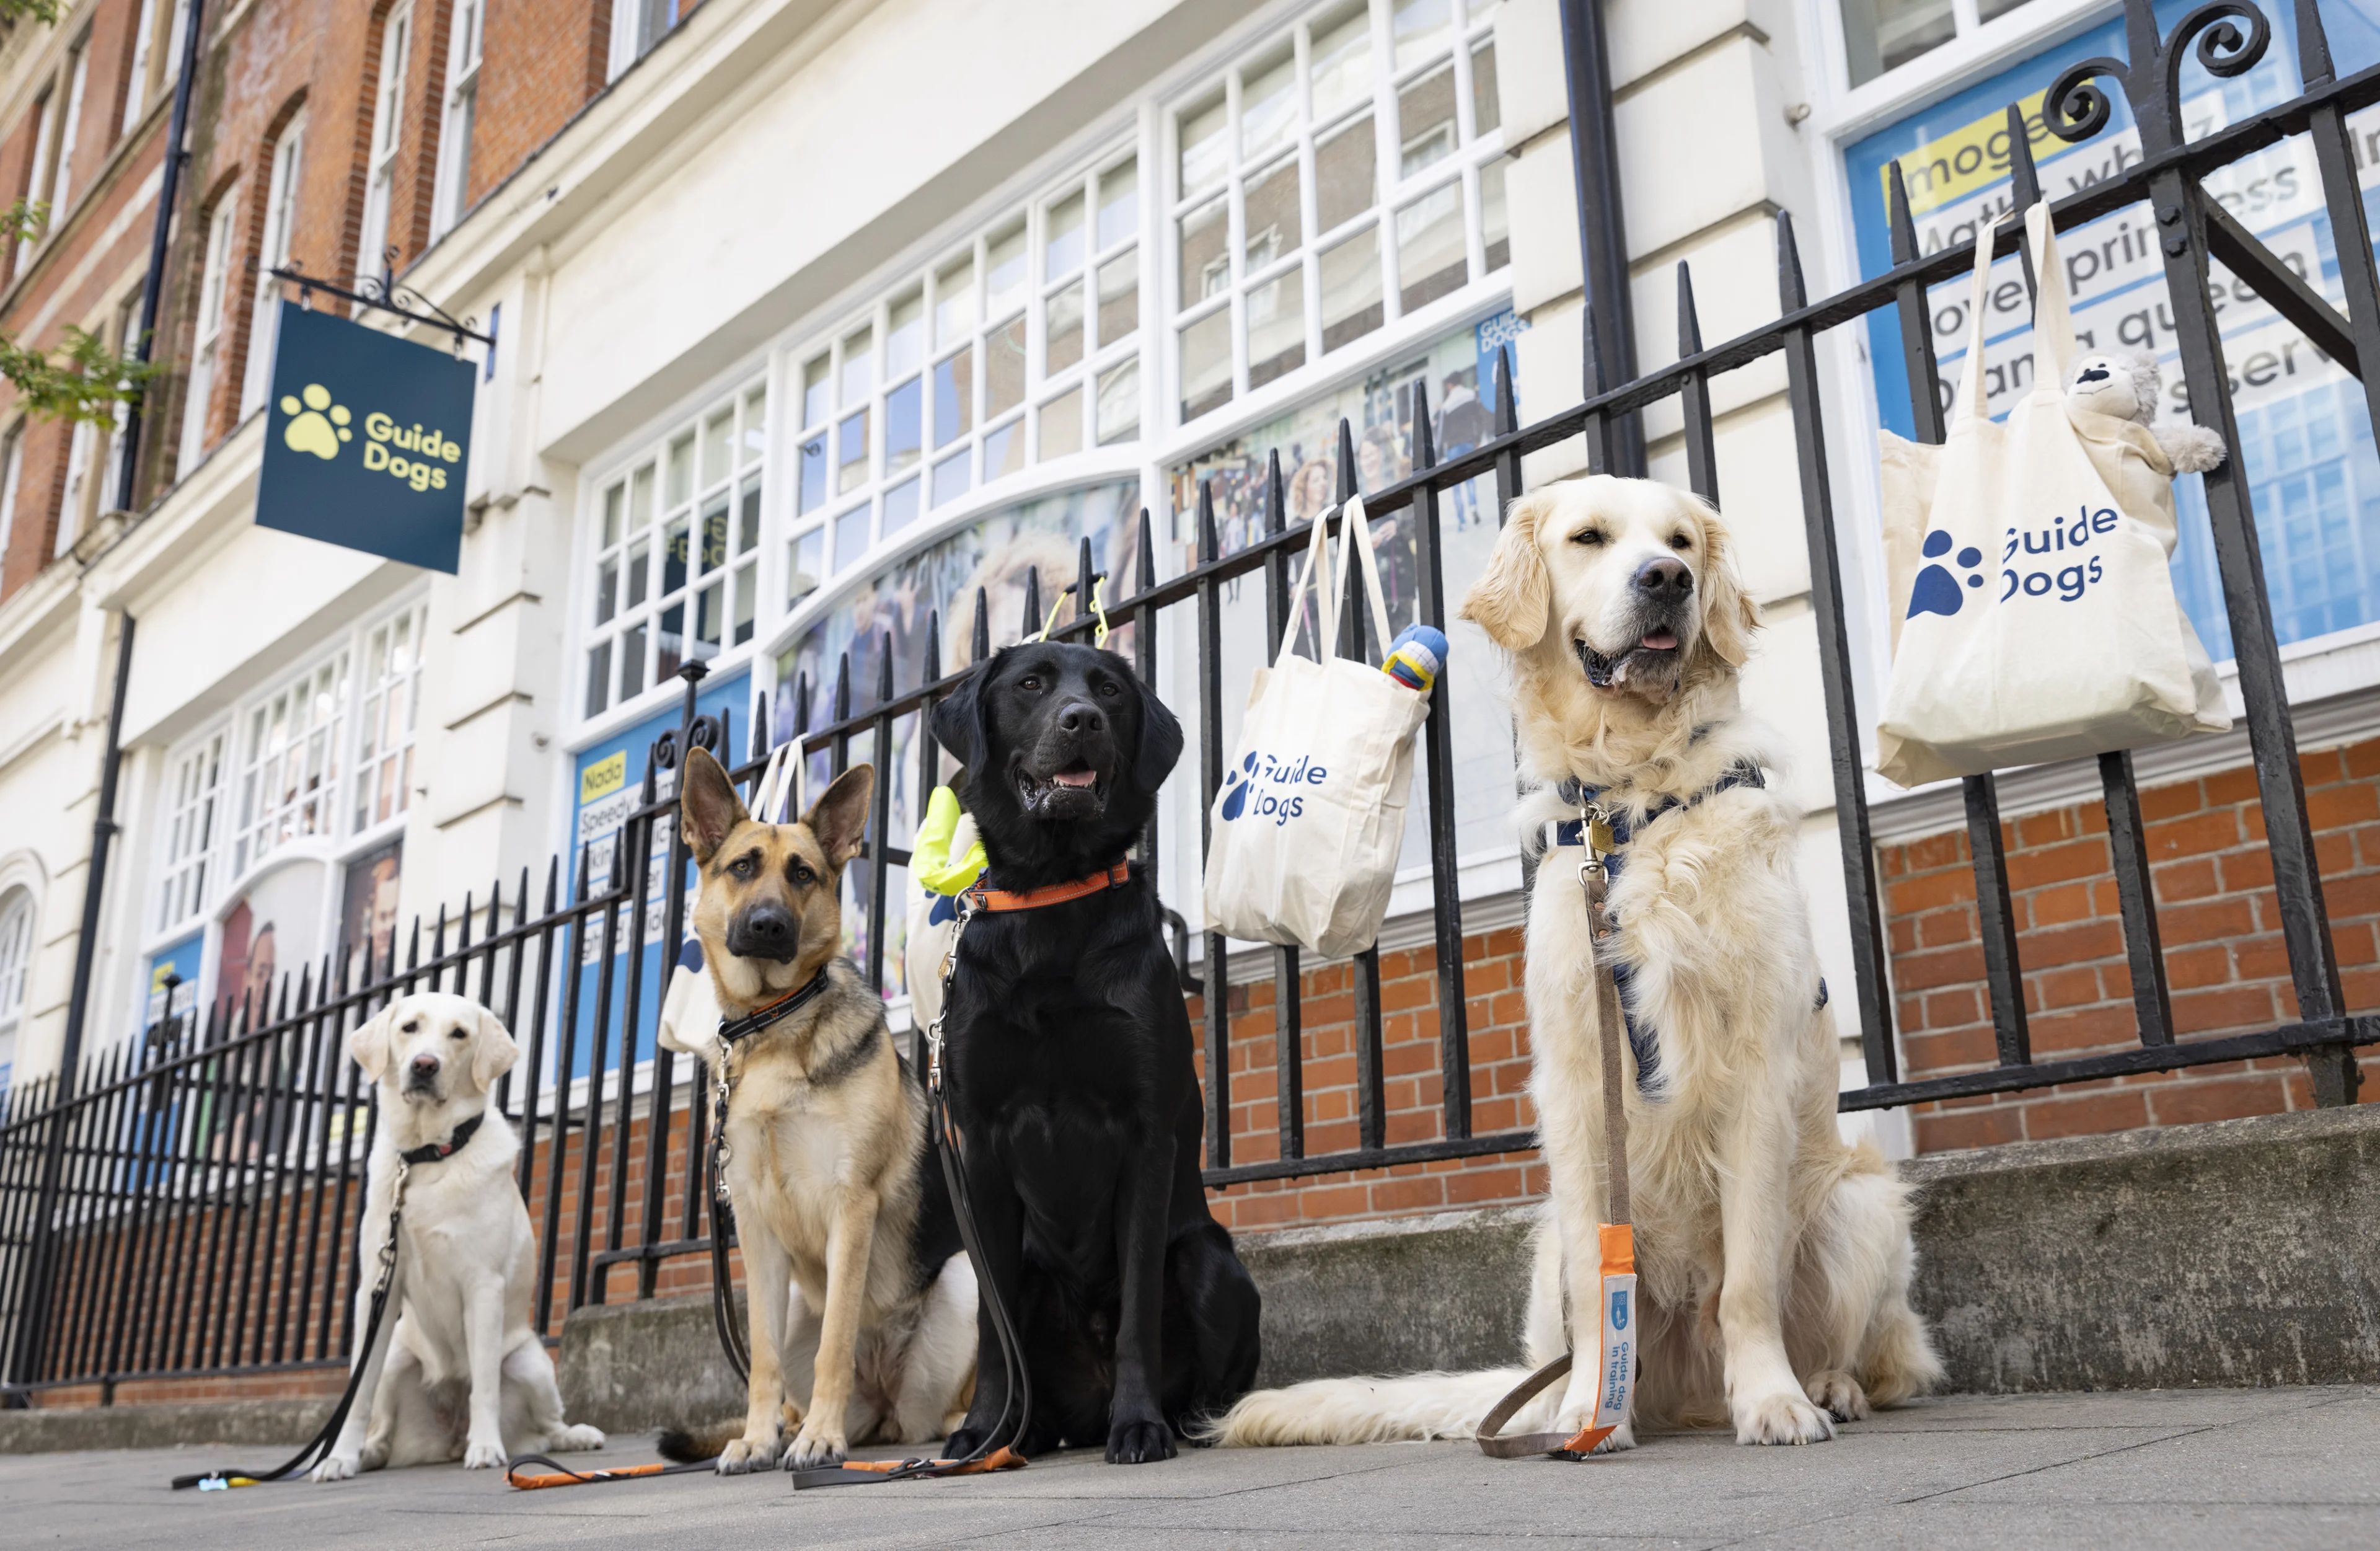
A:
[425,1066]
[1082,717]
[763,932]
[1665,578]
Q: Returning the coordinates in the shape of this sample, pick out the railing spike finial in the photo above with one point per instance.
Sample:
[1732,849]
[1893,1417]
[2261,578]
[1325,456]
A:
[1032,603]
[1425,447]
[1592,357]
[801,703]
[1690,328]
[1904,228]
[1148,578]
[1791,295]
[1210,547]
[1508,405]
[761,725]
[931,669]
[1276,494]
[1347,482]
[2024,179]
[981,638]
[1087,580]
[2314,66]
[884,675]
[842,686]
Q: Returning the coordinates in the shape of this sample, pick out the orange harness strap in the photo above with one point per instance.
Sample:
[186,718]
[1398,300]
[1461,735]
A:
[982,898]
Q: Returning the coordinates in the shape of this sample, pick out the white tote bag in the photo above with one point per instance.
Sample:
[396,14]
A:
[2034,615]
[1312,812]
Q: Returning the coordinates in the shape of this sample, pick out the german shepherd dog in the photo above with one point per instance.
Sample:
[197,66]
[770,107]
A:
[860,1302]
[1068,1060]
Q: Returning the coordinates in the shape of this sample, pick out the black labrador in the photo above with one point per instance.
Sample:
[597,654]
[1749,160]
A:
[1069,1067]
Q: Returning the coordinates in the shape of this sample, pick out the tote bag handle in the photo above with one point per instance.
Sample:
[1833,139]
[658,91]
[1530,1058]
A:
[1330,581]
[2053,322]
[1979,290]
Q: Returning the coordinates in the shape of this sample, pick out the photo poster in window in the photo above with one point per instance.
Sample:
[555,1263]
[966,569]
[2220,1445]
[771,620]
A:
[608,781]
[368,909]
[2306,441]
[996,553]
[179,963]
[272,935]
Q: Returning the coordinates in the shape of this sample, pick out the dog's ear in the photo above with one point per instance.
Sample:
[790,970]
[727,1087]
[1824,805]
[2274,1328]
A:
[1160,739]
[493,1051]
[958,722]
[839,818]
[1729,614]
[1512,598]
[368,1046]
[708,806]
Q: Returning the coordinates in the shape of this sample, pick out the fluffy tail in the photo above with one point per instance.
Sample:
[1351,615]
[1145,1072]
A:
[685,1446]
[1411,1406]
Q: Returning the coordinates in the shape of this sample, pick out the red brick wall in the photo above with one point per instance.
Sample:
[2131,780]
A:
[541,62]
[2225,961]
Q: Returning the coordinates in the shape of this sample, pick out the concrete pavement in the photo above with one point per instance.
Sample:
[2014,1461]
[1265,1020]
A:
[2165,1470]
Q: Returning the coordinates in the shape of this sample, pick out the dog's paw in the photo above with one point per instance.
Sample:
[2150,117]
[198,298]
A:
[482,1456]
[748,1454]
[1782,1418]
[1839,1395]
[962,1442]
[577,1439]
[1139,1443]
[374,1455]
[335,1466]
[816,1448]
[1574,1421]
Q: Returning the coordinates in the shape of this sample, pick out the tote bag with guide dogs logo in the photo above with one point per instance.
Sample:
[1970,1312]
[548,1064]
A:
[1312,812]
[2035,614]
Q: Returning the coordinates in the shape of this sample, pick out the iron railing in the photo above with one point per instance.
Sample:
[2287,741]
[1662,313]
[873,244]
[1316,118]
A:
[189,1207]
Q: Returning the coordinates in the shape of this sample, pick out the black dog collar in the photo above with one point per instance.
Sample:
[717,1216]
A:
[1577,795]
[733,1033]
[431,1151]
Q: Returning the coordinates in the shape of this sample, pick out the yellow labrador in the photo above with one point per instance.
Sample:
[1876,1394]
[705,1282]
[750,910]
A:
[459,1372]
[1774,1259]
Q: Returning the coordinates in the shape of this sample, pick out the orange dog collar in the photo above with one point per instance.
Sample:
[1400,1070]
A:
[982,898]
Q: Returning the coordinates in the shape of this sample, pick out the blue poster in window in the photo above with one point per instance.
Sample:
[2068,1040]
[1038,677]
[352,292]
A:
[2305,440]
[608,781]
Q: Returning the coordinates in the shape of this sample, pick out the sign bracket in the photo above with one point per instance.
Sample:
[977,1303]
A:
[382,293]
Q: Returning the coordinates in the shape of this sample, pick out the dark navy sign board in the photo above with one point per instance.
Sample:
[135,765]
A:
[368,441]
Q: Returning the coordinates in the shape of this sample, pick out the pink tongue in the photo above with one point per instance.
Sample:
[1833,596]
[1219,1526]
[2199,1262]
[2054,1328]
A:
[1660,640]
[1074,777]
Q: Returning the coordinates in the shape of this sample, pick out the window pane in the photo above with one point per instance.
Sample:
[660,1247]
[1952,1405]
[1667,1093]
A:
[681,470]
[674,557]
[1119,297]
[905,335]
[814,380]
[1062,246]
[607,590]
[850,536]
[1429,247]
[756,425]
[808,566]
[900,506]
[616,501]
[713,554]
[1426,118]
[1206,266]
[1206,363]
[1003,450]
[1496,225]
[904,425]
[1487,108]
[1062,425]
[1004,270]
[669,642]
[637,573]
[954,303]
[813,455]
[1342,61]
[1988,10]
[709,619]
[1880,35]
[640,499]
[748,530]
[951,478]
[1419,26]
[850,442]
[1351,289]
[718,445]
[1269,217]
[1003,370]
[858,367]
[1276,329]
[747,587]
[1118,204]
[954,397]
[632,661]
[598,676]
[1205,152]
[1119,404]
[1268,105]
[1343,181]
[1064,342]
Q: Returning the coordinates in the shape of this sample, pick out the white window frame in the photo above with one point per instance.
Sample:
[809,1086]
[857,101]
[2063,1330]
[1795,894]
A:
[82,448]
[196,788]
[12,465]
[206,344]
[37,186]
[18,911]
[136,85]
[637,26]
[280,218]
[70,126]
[388,136]
[388,716]
[464,43]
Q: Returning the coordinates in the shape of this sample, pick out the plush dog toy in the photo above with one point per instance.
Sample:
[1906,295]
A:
[2124,383]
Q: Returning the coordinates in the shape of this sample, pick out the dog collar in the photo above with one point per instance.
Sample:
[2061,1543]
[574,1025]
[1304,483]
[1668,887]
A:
[431,1151]
[1577,794]
[735,1031]
[982,898]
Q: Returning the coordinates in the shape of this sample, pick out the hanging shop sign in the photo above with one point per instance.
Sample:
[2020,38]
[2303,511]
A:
[368,439]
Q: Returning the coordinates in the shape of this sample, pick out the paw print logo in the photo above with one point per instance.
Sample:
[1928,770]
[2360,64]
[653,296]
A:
[1235,787]
[1938,591]
[316,425]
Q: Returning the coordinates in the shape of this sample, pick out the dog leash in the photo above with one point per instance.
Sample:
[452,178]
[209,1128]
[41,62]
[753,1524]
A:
[321,1443]
[723,1212]
[1616,1360]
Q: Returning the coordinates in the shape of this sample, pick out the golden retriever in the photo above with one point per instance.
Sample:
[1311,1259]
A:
[1774,1258]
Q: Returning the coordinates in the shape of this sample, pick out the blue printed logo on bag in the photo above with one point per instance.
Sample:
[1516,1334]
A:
[1244,789]
[2062,537]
